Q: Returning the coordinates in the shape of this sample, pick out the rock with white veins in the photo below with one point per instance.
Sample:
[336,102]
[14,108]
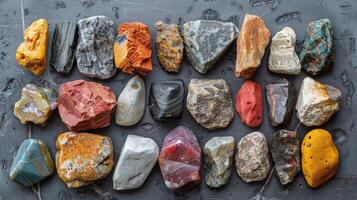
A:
[137,158]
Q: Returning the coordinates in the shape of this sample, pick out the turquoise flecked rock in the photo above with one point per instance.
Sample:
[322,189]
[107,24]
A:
[316,55]
[32,163]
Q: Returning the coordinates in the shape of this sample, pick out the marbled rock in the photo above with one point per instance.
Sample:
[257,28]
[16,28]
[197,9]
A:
[63,46]
[320,157]
[316,55]
[249,104]
[132,48]
[169,46]
[252,159]
[206,41]
[94,52]
[251,44]
[180,159]
[36,104]
[32,163]
[316,102]
[218,157]
[281,99]
[85,105]
[283,58]
[31,54]
[131,103]
[285,151]
[83,158]
[210,102]
[136,160]
[166,99]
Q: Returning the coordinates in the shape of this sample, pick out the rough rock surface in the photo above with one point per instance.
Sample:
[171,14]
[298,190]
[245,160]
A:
[137,158]
[210,103]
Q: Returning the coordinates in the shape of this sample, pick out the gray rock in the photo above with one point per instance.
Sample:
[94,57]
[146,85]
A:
[137,158]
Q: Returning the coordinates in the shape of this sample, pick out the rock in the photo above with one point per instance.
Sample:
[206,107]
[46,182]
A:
[169,46]
[316,55]
[63,46]
[83,158]
[180,159]
[210,103]
[166,99]
[206,41]
[31,54]
[316,102]
[32,163]
[136,160]
[320,157]
[94,52]
[281,98]
[85,105]
[283,58]
[36,104]
[252,159]
[132,48]
[249,104]
[218,157]
[131,103]
[285,151]
[251,44]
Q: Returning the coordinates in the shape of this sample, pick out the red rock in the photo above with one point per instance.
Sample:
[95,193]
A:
[85,105]
[249,103]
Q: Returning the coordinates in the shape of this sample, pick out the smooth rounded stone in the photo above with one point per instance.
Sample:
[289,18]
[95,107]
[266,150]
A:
[83,158]
[180,159]
[63,46]
[32,163]
[210,103]
[317,102]
[285,151]
[218,158]
[137,158]
[316,55]
[283,58]
[31,54]
[131,103]
[252,157]
[169,46]
[94,52]
[206,41]
[166,99]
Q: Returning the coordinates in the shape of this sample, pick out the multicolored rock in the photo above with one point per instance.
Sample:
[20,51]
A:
[180,159]
[83,158]
[32,163]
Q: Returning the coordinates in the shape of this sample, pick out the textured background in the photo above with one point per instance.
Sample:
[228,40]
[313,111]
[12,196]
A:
[276,13]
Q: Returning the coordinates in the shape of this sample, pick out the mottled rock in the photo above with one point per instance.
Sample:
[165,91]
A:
[136,160]
[31,54]
[210,102]
[169,46]
[131,103]
[32,163]
[166,99]
[83,158]
[218,157]
[206,41]
[180,159]
[94,52]
[85,105]
[316,55]
[252,41]
[317,102]
[252,159]
[283,58]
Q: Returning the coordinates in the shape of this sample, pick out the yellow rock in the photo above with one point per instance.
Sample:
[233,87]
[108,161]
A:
[31,53]
[320,158]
